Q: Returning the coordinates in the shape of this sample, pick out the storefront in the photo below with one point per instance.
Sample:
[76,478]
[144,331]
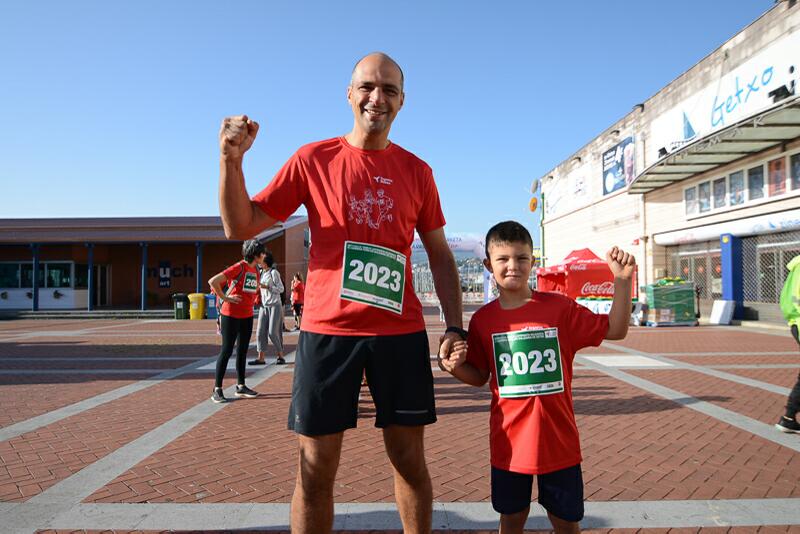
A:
[126,263]
[702,180]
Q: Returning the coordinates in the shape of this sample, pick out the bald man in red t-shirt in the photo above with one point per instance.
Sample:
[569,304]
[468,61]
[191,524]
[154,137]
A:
[365,198]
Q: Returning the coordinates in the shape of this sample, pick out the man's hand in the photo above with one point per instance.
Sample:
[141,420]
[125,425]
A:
[236,136]
[451,347]
[236,299]
[621,263]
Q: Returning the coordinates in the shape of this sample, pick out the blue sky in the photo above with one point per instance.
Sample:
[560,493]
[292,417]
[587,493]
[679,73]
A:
[113,108]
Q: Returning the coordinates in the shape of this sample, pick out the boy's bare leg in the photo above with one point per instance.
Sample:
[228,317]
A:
[564,527]
[514,523]
[412,483]
[312,501]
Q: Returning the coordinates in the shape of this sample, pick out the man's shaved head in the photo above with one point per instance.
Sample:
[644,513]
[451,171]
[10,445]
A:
[380,55]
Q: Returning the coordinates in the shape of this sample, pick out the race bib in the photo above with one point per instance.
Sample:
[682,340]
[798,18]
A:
[250,283]
[528,363]
[373,275]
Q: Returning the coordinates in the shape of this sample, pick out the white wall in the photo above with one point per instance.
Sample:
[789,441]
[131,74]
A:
[17,299]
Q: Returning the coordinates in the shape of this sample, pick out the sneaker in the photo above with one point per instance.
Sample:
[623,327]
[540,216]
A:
[280,361]
[790,426]
[218,397]
[256,362]
[244,391]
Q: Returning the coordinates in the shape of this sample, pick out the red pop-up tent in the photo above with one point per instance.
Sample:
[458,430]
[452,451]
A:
[582,274]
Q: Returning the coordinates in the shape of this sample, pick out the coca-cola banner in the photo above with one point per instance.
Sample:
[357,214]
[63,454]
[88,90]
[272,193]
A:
[603,289]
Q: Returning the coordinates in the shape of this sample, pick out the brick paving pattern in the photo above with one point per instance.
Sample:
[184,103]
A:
[637,446]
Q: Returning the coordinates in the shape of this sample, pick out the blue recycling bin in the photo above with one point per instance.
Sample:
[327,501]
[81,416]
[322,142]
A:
[211,306]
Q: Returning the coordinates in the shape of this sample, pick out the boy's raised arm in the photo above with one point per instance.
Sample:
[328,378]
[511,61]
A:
[622,265]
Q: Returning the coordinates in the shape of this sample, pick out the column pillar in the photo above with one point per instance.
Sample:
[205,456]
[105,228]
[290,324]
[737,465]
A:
[732,276]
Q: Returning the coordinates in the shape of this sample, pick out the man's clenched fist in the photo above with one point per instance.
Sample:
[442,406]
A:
[236,136]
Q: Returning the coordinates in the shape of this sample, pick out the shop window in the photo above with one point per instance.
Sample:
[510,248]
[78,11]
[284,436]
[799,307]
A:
[736,182]
[59,275]
[27,275]
[9,275]
[755,182]
[777,177]
[81,276]
[795,171]
[704,197]
[720,191]
[690,200]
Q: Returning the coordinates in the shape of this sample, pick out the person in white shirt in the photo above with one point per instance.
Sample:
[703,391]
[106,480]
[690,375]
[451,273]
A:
[270,313]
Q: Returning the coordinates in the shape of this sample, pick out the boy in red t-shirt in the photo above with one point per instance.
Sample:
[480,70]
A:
[526,341]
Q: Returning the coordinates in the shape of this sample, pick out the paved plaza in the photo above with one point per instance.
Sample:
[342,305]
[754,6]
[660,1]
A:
[107,426]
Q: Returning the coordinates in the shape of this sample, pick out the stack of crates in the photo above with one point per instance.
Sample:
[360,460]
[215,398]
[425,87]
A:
[670,304]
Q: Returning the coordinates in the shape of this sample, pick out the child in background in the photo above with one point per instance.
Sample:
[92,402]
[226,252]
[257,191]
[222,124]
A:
[298,291]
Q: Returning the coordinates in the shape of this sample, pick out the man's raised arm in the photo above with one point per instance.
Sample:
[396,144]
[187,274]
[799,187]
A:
[241,217]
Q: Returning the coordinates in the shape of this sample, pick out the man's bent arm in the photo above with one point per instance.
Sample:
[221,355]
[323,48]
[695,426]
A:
[241,217]
[445,275]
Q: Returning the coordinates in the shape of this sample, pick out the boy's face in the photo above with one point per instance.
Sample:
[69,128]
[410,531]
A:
[510,264]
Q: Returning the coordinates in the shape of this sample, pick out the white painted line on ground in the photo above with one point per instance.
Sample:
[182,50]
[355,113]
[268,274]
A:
[627,361]
[763,430]
[91,478]
[704,370]
[27,517]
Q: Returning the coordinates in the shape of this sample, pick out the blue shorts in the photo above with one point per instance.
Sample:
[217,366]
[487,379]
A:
[560,492]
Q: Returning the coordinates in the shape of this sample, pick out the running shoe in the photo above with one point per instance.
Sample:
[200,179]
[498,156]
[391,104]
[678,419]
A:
[256,362]
[790,426]
[280,361]
[244,391]
[217,396]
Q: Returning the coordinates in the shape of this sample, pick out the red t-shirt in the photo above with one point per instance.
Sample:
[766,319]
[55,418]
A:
[246,287]
[298,289]
[370,196]
[537,434]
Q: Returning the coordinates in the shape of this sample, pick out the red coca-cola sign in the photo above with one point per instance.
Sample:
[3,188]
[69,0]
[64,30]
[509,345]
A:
[604,289]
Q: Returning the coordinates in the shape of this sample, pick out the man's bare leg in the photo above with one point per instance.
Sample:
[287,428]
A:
[412,483]
[312,501]
[514,523]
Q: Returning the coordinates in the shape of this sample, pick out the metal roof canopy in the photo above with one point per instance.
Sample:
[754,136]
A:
[772,127]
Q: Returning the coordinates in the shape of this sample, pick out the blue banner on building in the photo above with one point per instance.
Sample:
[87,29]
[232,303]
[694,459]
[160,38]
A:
[618,166]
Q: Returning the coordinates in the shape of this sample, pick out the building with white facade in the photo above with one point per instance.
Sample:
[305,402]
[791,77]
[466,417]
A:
[701,180]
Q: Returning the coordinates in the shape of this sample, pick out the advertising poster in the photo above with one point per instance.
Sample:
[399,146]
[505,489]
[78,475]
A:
[618,166]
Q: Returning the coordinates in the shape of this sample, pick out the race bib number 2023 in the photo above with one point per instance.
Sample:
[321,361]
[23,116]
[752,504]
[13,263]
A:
[374,276]
[528,363]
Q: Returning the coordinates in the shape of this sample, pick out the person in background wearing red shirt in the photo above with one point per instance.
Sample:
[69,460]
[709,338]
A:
[526,342]
[365,196]
[298,290]
[236,315]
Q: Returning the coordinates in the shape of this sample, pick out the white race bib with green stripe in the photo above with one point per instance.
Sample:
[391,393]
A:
[373,275]
[528,363]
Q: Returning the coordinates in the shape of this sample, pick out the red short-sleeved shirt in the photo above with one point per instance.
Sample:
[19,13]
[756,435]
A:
[370,196]
[298,290]
[537,434]
[246,287]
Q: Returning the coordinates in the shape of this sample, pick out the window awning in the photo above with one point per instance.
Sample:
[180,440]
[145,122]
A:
[772,127]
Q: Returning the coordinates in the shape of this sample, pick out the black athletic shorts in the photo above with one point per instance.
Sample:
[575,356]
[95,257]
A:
[327,381]
[560,492]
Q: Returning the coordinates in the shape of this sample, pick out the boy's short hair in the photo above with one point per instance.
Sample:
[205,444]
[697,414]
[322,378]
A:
[269,259]
[251,249]
[507,232]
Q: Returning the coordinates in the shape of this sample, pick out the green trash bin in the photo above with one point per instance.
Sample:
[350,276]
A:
[180,303]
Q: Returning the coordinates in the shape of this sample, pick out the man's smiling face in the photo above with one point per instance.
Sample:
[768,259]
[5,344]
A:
[375,95]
